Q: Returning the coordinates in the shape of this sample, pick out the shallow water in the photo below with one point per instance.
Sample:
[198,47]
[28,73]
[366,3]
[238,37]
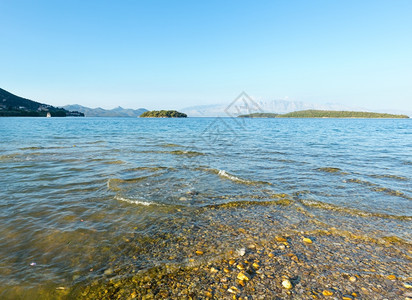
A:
[92,199]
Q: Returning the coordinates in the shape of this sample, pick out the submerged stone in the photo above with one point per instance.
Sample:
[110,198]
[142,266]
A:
[242,276]
[287,284]
[307,241]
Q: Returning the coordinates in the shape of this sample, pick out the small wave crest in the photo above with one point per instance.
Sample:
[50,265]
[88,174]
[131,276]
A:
[224,174]
[332,170]
[135,201]
[395,177]
[171,145]
[351,211]
[377,188]
[243,204]
[187,153]
[9,156]
[114,162]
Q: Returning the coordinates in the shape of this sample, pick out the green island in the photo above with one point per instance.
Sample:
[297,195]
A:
[325,114]
[163,114]
[259,115]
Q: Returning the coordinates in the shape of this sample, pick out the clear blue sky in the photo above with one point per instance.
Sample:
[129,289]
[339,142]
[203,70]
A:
[173,54]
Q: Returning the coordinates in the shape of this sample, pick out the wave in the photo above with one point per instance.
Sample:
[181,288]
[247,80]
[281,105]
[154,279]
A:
[227,175]
[331,170]
[185,152]
[351,211]
[171,146]
[224,174]
[379,240]
[9,156]
[152,169]
[240,204]
[114,162]
[377,188]
[395,177]
[135,201]
[42,148]
[175,152]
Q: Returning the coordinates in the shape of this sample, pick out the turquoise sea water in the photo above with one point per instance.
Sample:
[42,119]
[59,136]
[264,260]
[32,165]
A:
[83,198]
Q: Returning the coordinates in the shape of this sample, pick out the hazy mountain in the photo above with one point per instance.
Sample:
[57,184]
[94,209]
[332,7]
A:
[12,105]
[241,107]
[100,112]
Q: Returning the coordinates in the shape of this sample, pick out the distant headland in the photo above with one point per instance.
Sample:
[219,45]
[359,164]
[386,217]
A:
[163,114]
[325,114]
[15,106]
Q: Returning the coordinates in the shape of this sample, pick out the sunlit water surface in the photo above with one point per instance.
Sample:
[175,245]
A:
[82,198]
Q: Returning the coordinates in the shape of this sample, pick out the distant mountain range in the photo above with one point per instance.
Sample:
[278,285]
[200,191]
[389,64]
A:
[271,106]
[246,107]
[100,112]
[15,106]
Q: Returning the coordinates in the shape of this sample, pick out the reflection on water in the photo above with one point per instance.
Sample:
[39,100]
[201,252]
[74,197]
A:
[128,204]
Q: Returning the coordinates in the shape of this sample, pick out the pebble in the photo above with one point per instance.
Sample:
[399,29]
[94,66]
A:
[242,276]
[199,252]
[213,270]
[242,230]
[407,285]
[251,246]
[280,239]
[287,284]
[241,251]
[256,265]
[233,290]
[327,293]
[352,279]
[391,277]
[294,258]
[307,241]
[109,271]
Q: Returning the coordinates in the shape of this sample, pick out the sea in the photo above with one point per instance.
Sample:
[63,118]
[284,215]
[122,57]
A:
[89,200]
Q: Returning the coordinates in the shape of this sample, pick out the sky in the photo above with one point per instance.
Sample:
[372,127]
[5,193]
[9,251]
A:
[175,54]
